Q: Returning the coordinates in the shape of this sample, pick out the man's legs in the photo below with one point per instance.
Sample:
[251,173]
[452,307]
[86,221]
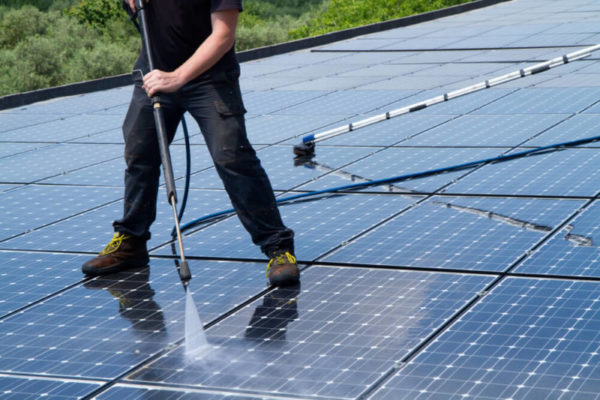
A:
[142,156]
[218,108]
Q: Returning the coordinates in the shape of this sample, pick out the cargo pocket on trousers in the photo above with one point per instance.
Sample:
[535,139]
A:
[228,109]
[229,101]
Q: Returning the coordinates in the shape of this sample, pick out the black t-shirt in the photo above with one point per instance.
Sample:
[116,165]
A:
[178,27]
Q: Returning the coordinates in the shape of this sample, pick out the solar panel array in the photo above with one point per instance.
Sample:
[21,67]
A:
[481,282]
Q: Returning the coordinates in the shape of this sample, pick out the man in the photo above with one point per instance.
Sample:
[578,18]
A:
[196,71]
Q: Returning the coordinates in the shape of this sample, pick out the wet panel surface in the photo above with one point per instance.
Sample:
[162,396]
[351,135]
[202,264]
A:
[332,337]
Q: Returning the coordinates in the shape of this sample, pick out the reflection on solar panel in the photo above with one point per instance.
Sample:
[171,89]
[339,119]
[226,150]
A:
[479,283]
[527,339]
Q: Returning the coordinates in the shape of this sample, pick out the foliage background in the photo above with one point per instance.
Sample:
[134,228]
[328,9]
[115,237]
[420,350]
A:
[47,43]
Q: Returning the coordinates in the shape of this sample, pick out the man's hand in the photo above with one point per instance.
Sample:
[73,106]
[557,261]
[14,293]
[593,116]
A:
[158,81]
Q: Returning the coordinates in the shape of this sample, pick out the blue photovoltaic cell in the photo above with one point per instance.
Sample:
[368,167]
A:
[483,234]
[110,136]
[570,172]
[435,57]
[410,82]
[122,391]
[21,388]
[9,149]
[108,325]
[595,109]
[489,40]
[251,69]
[54,160]
[111,173]
[364,44]
[91,231]
[6,188]
[394,162]
[348,102]
[581,80]
[385,70]
[572,251]
[64,129]
[267,102]
[576,27]
[464,70]
[10,121]
[577,127]
[508,55]
[319,225]
[79,104]
[270,129]
[335,336]
[386,133]
[556,39]
[31,207]
[544,101]
[486,130]
[424,43]
[263,83]
[28,277]
[527,339]
[423,185]
[289,174]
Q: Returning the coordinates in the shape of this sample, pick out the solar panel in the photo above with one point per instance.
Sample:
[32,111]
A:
[527,338]
[91,231]
[402,161]
[544,101]
[289,174]
[319,225]
[108,325]
[63,129]
[291,341]
[390,132]
[476,283]
[32,207]
[121,391]
[29,277]
[30,388]
[54,160]
[569,172]
[572,251]
[479,234]
[486,130]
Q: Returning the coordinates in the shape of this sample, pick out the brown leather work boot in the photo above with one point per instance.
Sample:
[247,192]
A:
[123,252]
[282,269]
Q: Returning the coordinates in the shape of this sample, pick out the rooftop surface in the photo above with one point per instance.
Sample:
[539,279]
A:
[478,283]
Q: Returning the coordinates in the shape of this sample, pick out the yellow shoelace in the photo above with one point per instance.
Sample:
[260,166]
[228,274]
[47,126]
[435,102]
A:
[281,259]
[114,244]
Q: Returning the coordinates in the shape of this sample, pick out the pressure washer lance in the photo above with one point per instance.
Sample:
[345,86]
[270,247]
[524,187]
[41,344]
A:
[184,270]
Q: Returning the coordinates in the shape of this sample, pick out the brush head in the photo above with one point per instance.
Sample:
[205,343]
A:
[305,149]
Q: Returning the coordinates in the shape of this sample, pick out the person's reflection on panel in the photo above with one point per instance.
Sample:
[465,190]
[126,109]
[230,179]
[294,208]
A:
[136,300]
[271,318]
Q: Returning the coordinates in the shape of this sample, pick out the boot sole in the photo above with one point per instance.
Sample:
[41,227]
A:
[285,277]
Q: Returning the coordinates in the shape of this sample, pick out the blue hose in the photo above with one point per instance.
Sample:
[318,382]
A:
[415,175]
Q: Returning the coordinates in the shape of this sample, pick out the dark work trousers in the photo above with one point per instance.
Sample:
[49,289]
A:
[216,104]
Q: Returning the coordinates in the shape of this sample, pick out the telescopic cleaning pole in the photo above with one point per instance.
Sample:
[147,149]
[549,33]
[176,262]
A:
[163,143]
[307,147]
